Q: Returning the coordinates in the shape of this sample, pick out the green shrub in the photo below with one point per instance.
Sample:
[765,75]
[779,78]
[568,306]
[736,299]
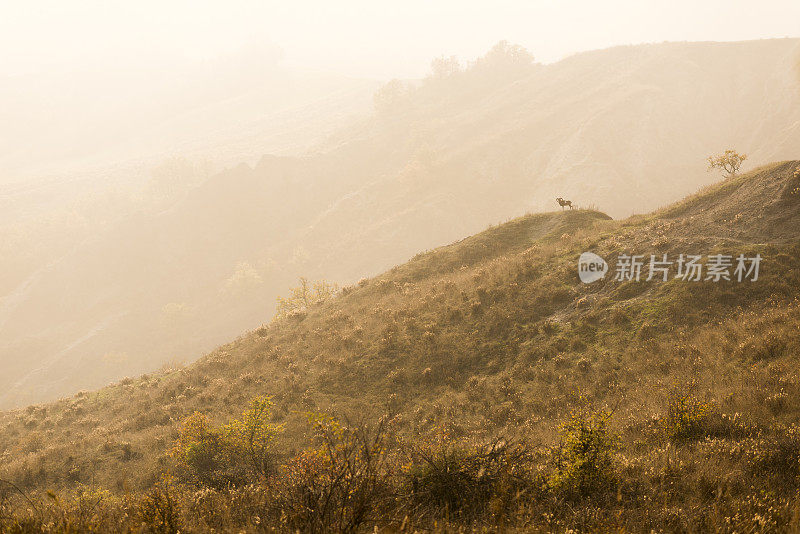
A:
[584,463]
[236,454]
[687,417]
[200,451]
[251,439]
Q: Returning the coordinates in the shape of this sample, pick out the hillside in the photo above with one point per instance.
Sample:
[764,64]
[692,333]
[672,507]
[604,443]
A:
[622,130]
[495,335]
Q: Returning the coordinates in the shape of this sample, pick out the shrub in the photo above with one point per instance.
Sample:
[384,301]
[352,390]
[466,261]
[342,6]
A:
[200,451]
[584,458]
[687,417]
[453,481]
[251,440]
[240,452]
[335,486]
[159,509]
[89,510]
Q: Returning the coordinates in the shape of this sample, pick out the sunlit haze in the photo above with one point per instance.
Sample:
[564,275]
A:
[365,266]
[383,39]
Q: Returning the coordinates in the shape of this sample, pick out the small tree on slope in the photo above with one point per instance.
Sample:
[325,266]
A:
[729,162]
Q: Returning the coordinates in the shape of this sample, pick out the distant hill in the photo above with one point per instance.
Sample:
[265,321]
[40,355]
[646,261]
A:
[112,118]
[621,130]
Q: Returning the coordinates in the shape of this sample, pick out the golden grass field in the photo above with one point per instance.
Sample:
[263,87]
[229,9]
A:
[478,387]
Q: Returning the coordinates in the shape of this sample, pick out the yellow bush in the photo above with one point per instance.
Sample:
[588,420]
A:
[251,439]
[687,416]
[584,459]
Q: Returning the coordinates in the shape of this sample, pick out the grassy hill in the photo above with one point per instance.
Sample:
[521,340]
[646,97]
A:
[624,130]
[633,405]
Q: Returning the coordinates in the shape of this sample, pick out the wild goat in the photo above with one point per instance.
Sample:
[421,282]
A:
[562,203]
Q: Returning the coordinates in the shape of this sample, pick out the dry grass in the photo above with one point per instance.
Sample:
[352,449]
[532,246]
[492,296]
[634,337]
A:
[487,338]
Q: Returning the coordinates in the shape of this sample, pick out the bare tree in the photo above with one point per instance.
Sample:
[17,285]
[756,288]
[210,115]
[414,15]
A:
[729,162]
[304,296]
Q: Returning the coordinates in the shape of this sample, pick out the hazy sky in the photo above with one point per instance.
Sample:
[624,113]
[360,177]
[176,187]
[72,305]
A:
[362,37]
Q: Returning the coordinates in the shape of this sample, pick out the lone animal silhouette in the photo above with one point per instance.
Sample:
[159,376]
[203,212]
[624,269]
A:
[562,203]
